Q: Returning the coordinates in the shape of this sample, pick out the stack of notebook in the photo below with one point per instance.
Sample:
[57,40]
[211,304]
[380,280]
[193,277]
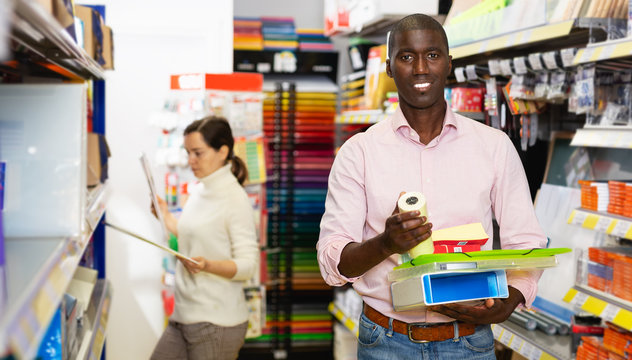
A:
[313,40]
[279,33]
[247,34]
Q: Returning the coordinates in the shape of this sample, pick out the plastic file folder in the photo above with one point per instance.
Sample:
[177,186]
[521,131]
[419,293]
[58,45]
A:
[477,261]
[448,287]
[444,278]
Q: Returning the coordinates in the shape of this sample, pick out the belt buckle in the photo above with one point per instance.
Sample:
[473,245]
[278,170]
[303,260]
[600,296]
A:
[410,332]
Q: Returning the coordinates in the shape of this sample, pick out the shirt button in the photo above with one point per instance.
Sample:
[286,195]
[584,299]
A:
[412,133]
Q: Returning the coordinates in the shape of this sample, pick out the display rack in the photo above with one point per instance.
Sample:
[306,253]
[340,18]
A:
[606,306]
[39,269]
[532,344]
[610,224]
[350,323]
[94,338]
[41,33]
[604,51]
[361,117]
[609,137]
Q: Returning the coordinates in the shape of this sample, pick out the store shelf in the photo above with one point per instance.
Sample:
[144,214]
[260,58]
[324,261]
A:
[361,117]
[518,38]
[606,306]
[610,137]
[94,339]
[348,322]
[474,115]
[607,223]
[286,62]
[532,344]
[38,273]
[378,26]
[41,33]
[604,51]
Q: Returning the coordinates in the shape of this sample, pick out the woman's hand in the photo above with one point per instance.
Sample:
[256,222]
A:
[192,267]
[163,207]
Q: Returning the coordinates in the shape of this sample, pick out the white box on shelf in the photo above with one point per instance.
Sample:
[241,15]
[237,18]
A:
[43,141]
[366,12]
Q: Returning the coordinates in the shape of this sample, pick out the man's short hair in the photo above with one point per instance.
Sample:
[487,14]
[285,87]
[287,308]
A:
[416,22]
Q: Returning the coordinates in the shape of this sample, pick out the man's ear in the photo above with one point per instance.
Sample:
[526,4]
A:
[388,68]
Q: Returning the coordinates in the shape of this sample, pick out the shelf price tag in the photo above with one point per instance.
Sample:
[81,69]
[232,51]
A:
[535,61]
[506,337]
[497,330]
[609,312]
[607,51]
[520,64]
[577,217]
[587,55]
[470,72]
[460,74]
[621,228]
[603,223]
[494,67]
[568,55]
[549,60]
[516,344]
[579,299]
[505,67]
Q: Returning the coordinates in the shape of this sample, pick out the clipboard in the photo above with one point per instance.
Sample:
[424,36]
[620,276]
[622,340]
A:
[153,193]
[160,246]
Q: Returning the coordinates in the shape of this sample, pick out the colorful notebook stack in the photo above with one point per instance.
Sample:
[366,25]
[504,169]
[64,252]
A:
[299,128]
[313,40]
[247,34]
[611,270]
[612,196]
[279,33]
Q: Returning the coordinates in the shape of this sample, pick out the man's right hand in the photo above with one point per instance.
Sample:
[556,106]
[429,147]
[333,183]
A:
[403,231]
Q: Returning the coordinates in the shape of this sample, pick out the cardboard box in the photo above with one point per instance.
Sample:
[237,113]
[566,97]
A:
[86,14]
[108,48]
[98,154]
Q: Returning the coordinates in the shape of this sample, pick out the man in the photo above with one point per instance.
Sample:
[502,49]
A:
[468,172]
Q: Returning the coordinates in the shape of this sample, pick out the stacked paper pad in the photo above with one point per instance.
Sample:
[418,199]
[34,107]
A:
[247,34]
[592,348]
[313,40]
[279,33]
[619,259]
[620,198]
[618,341]
[353,91]
[594,195]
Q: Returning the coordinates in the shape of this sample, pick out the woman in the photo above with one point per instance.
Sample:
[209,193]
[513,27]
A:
[217,229]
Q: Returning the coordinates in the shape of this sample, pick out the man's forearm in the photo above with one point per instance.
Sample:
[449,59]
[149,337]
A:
[358,258]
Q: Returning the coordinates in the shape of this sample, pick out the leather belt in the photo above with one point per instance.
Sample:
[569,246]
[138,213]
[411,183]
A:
[420,332]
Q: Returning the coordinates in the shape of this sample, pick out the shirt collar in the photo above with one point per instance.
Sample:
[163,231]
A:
[401,125]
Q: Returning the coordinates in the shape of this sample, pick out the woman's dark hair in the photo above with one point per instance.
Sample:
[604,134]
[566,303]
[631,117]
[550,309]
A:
[216,133]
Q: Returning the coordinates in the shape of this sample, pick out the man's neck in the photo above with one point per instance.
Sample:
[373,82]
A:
[426,122]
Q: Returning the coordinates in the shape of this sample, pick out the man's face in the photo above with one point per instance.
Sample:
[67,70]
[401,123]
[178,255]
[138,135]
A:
[420,65]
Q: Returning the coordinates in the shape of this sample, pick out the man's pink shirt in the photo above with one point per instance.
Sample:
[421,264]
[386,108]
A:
[469,173]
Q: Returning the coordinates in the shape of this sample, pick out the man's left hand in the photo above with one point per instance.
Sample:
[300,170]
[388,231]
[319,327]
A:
[492,311]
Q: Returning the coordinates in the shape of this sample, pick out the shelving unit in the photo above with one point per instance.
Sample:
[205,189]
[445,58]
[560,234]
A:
[532,344]
[39,268]
[350,323]
[609,137]
[606,306]
[602,222]
[361,117]
[94,339]
[604,51]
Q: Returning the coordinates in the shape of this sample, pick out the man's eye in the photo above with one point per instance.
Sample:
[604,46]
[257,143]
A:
[406,57]
[433,55]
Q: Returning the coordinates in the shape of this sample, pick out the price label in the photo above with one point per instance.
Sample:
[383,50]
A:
[506,337]
[549,60]
[505,67]
[587,55]
[536,354]
[470,71]
[497,330]
[494,67]
[607,51]
[609,312]
[520,64]
[579,218]
[516,344]
[621,228]
[527,350]
[460,74]
[602,224]
[568,55]
[579,299]
[535,62]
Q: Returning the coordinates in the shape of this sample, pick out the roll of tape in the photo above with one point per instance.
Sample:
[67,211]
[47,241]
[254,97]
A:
[411,201]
